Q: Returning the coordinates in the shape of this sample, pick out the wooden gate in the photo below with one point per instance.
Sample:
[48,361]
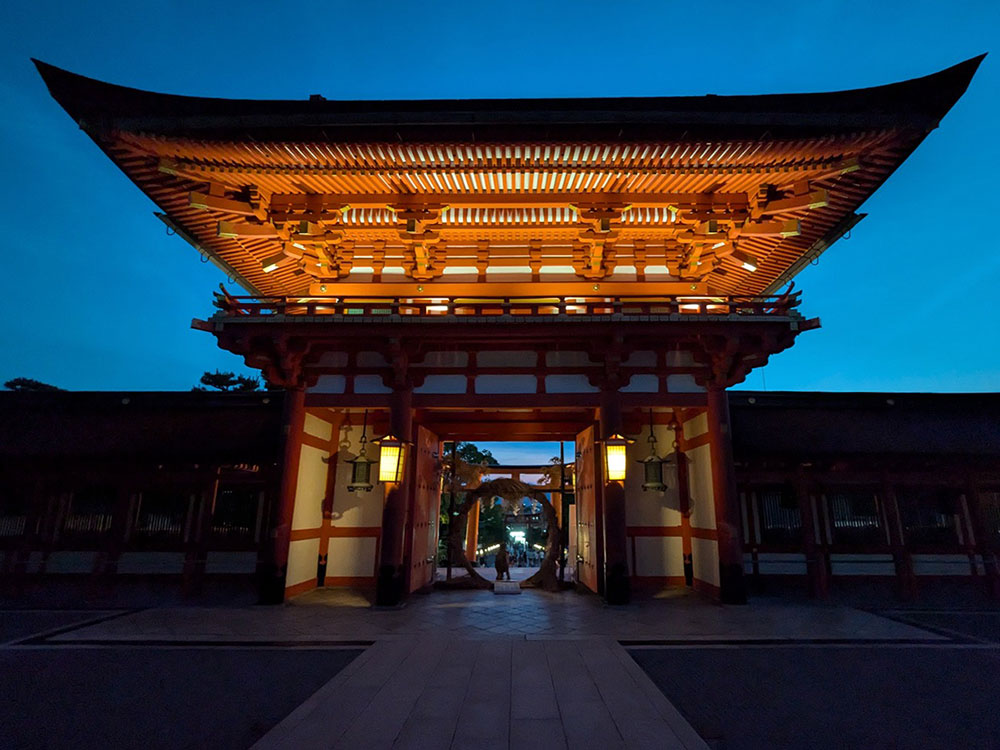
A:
[425,510]
[588,518]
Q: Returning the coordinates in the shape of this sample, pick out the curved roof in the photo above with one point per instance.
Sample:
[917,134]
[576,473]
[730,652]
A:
[513,173]
[919,103]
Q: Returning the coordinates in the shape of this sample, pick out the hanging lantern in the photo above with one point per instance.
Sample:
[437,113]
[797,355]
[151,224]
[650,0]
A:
[390,459]
[361,465]
[652,464]
[614,457]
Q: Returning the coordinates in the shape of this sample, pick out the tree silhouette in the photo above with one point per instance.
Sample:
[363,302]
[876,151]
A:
[227,382]
[28,384]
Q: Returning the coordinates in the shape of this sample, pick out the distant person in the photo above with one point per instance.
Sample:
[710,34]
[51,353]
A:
[502,563]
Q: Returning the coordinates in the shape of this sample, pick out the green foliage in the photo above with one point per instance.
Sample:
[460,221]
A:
[227,381]
[492,529]
[28,384]
[471,454]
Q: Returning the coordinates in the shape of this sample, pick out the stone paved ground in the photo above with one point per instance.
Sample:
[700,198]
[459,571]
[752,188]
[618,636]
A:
[151,698]
[916,697]
[333,614]
[468,669]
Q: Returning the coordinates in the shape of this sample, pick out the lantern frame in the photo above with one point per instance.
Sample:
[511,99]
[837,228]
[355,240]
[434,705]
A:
[361,465]
[652,464]
[391,448]
[619,443]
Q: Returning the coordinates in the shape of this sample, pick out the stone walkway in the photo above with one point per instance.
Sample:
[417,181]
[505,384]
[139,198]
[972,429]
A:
[506,693]
[331,615]
[469,669]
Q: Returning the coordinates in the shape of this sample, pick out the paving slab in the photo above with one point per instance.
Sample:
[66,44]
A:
[324,617]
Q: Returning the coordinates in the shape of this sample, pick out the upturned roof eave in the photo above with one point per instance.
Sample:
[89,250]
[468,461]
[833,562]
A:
[918,103]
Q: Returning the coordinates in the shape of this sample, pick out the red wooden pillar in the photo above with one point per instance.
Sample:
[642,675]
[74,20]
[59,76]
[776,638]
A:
[391,585]
[35,533]
[905,579]
[293,423]
[984,544]
[617,586]
[117,537]
[684,505]
[472,533]
[732,588]
[819,585]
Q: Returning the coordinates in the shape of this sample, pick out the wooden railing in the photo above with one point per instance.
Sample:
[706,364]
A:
[777,305]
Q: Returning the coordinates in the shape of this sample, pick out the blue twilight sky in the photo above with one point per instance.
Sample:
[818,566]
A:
[95,295]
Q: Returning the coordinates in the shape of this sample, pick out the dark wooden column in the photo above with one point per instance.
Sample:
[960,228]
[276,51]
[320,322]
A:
[684,504]
[196,552]
[35,530]
[272,590]
[732,588]
[117,537]
[985,545]
[390,587]
[906,581]
[819,585]
[617,586]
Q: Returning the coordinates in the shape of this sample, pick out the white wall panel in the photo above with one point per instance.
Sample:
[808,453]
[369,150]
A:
[700,487]
[303,557]
[659,556]
[351,557]
[507,359]
[705,560]
[318,428]
[310,489]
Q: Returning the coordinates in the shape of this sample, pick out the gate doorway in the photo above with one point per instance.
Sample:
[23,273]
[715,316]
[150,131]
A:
[505,510]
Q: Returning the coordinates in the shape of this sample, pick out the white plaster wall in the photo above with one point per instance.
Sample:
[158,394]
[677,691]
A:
[507,359]
[303,556]
[333,359]
[355,508]
[318,428]
[310,489]
[444,359]
[700,487]
[863,565]
[219,561]
[941,565]
[781,563]
[705,560]
[696,426]
[351,557]
[680,359]
[372,359]
[649,508]
[66,561]
[154,562]
[568,359]
[659,556]
[640,359]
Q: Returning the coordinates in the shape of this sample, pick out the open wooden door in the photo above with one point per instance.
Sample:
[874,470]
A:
[588,517]
[426,509]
